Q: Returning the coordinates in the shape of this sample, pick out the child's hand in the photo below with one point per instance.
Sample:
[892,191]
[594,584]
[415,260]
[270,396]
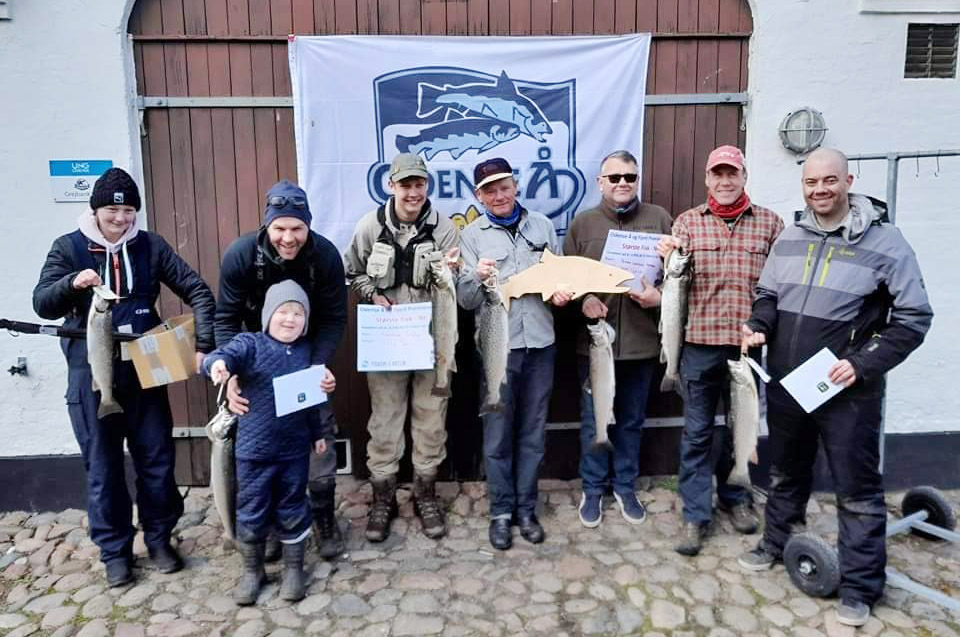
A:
[219,372]
[320,447]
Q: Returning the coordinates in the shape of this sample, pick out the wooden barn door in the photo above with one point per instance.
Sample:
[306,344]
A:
[214,87]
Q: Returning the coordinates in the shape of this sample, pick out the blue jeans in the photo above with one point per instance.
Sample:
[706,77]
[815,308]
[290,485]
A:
[629,409]
[514,439]
[706,450]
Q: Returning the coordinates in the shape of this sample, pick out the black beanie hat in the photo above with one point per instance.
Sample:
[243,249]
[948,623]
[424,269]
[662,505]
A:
[115,188]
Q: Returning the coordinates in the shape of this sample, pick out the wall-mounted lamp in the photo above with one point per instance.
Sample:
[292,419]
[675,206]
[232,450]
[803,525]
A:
[803,130]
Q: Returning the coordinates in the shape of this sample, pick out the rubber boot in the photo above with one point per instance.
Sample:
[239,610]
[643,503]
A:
[253,575]
[384,509]
[293,585]
[329,539]
[272,551]
[428,507]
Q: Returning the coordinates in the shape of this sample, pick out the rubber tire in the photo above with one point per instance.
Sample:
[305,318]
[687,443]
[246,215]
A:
[939,511]
[811,550]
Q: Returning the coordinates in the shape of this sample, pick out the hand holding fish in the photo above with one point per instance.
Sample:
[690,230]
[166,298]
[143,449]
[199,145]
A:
[219,372]
[86,278]
[329,383]
[381,300]
[751,338]
[842,373]
[561,298]
[485,269]
[452,258]
[237,403]
[593,308]
[666,244]
[648,297]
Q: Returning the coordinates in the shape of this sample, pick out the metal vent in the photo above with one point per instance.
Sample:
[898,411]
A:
[931,51]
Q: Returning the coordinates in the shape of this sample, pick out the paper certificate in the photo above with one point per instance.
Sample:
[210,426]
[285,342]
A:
[299,390]
[635,252]
[809,383]
[395,338]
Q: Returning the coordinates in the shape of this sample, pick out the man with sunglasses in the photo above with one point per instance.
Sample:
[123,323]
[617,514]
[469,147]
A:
[387,263]
[504,241]
[284,248]
[729,238]
[634,318]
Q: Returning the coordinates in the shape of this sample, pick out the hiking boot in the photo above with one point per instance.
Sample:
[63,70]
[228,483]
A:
[630,507]
[383,510]
[293,586]
[591,510]
[691,539]
[427,507]
[119,572]
[329,539]
[743,518]
[530,528]
[853,613]
[253,575]
[272,550]
[758,559]
[166,558]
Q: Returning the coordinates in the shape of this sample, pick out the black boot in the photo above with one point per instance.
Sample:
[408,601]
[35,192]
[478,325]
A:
[329,540]
[253,576]
[272,550]
[384,509]
[428,507]
[293,585]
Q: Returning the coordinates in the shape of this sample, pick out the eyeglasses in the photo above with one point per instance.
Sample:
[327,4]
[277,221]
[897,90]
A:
[279,201]
[616,177]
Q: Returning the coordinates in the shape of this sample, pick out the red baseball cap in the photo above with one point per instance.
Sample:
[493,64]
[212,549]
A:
[725,156]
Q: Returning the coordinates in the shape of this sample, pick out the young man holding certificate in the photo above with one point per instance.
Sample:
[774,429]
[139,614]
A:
[843,278]
[633,316]
[386,264]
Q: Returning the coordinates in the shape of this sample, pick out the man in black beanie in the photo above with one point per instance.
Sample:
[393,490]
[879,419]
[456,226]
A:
[284,247]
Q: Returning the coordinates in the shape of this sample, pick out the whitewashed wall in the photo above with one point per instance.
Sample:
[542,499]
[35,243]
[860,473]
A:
[849,65]
[76,102]
[67,89]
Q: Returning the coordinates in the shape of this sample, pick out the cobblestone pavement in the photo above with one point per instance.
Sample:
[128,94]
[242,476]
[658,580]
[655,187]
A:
[617,579]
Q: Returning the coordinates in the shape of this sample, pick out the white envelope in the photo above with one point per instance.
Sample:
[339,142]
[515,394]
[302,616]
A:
[809,383]
[299,390]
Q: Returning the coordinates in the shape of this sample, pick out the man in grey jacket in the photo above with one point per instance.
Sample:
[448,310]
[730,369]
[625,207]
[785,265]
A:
[504,241]
[383,265]
[841,278]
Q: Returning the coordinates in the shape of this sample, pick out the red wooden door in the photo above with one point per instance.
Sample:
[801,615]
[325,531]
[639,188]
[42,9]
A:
[218,127]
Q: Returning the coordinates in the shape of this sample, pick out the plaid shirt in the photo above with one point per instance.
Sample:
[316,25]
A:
[726,265]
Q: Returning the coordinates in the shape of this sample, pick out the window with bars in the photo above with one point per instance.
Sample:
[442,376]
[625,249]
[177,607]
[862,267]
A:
[931,51]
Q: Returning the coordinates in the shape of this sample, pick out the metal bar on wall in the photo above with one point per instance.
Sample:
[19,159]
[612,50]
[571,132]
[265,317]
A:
[282,39]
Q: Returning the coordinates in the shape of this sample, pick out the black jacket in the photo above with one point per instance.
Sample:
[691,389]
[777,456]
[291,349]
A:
[154,261]
[251,265]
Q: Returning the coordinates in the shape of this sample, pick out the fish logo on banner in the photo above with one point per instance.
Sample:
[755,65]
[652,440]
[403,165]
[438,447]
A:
[455,118]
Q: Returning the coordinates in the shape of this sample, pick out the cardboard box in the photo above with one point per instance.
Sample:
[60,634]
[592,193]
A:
[167,353]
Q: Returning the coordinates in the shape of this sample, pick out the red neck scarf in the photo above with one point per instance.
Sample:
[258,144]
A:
[729,211]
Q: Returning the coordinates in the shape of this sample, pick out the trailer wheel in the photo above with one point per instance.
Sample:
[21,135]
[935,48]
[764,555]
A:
[939,511]
[812,564]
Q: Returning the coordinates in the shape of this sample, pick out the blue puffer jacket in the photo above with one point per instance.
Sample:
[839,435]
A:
[257,359]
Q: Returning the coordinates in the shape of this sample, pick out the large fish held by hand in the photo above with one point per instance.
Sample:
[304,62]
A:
[443,297]
[673,315]
[743,419]
[222,432]
[602,381]
[100,349]
[493,341]
[577,275]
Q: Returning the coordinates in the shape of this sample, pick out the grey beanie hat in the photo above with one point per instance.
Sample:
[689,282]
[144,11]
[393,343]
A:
[280,293]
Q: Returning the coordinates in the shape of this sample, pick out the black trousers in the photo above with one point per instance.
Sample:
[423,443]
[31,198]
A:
[848,426]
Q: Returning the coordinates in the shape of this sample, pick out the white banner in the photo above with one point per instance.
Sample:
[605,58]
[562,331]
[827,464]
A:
[552,106]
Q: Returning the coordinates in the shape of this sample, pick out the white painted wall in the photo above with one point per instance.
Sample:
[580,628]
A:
[76,102]
[66,89]
[849,65]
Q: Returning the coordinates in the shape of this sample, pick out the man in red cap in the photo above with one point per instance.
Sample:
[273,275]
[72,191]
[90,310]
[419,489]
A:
[729,239]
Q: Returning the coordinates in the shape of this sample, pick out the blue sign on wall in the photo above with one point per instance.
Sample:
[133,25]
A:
[73,179]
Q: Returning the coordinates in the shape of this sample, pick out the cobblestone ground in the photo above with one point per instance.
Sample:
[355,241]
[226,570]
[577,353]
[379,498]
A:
[618,579]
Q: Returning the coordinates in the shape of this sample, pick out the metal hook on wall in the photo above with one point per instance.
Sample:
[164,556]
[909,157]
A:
[936,173]
[918,164]
[858,169]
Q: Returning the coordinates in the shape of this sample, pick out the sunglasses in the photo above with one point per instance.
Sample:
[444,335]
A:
[279,201]
[616,177]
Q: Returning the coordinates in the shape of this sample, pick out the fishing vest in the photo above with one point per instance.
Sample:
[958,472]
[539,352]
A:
[405,260]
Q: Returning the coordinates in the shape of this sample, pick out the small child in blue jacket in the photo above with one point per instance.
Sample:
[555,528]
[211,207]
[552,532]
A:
[272,453]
